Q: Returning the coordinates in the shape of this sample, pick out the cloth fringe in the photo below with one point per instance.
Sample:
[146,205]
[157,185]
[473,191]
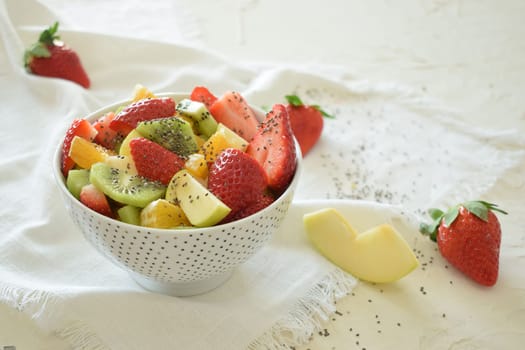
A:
[41,306]
[80,336]
[32,302]
[307,315]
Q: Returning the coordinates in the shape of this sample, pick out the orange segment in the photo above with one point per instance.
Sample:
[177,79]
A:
[197,166]
[221,139]
[85,153]
[141,92]
[163,214]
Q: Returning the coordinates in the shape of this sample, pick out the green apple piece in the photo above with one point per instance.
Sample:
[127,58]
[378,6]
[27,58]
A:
[123,163]
[129,214]
[124,149]
[379,255]
[76,179]
[201,207]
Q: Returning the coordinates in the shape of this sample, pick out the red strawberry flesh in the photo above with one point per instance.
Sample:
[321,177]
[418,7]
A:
[259,204]
[236,179]
[468,237]
[307,125]
[142,110]
[153,161]
[273,147]
[472,246]
[51,58]
[232,110]
[106,136]
[81,128]
[95,199]
[202,94]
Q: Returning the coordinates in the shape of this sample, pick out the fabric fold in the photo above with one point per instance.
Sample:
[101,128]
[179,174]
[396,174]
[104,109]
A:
[389,153]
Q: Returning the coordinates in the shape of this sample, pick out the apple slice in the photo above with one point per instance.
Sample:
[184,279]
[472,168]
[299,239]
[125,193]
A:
[201,207]
[379,255]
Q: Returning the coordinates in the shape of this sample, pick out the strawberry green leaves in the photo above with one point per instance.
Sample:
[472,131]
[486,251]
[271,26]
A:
[39,49]
[49,35]
[296,101]
[468,236]
[431,229]
[306,122]
[49,57]
[483,207]
[479,208]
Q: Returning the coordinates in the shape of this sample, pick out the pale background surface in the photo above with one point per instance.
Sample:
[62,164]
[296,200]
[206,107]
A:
[469,54]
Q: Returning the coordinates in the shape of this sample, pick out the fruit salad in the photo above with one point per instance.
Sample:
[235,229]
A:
[196,162]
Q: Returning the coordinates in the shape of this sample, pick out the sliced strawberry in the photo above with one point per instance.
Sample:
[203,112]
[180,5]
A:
[259,204]
[81,128]
[236,179]
[106,136]
[153,161]
[202,94]
[146,109]
[95,199]
[233,111]
[273,147]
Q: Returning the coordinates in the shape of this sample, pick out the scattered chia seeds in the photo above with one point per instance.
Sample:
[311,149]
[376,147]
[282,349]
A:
[396,171]
[324,333]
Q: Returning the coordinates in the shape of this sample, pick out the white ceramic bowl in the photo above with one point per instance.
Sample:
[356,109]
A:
[179,262]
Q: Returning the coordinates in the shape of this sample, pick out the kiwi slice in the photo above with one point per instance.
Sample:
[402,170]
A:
[125,187]
[173,133]
[202,118]
[76,179]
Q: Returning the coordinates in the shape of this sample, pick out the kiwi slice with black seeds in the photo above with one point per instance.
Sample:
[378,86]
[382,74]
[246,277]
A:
[125,187]
[174,133]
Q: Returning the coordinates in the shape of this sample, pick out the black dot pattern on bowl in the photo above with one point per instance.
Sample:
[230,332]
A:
[185,256]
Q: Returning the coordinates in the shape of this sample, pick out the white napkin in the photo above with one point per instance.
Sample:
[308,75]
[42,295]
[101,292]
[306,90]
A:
[386,145]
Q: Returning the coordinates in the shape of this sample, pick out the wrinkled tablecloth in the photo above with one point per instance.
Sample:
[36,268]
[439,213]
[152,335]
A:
[389,154]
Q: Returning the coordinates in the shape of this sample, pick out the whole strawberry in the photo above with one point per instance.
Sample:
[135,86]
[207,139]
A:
[306,122]
[468,237]
[50,57]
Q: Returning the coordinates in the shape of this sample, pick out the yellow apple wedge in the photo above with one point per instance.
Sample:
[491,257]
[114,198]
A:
[379,255]
[200,206]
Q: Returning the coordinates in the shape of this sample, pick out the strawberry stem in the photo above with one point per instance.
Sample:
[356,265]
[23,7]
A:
[39,49]
[493,207]
[481,208]
[48,36]
[294,100]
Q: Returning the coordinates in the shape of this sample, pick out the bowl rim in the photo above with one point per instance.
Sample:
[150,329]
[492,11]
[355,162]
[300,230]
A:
[61,181]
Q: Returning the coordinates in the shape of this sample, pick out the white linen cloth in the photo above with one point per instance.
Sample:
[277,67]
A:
[389,154]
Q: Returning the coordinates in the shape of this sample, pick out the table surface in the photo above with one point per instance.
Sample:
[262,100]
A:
[469,54]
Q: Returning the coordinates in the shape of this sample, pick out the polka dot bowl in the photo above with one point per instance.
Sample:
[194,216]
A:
[179,262]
